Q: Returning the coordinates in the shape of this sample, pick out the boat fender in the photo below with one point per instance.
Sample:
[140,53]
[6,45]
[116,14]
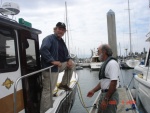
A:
[132,107]
[140,75]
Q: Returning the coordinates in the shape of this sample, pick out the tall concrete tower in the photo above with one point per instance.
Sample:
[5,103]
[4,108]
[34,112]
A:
[111,26]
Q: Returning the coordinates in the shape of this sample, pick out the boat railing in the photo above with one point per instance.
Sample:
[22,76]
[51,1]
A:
[28,75]
[6,17]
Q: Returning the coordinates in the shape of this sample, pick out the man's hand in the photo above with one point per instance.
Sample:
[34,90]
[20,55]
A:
[103,104]
[90,93]
[69,63]
[57,63]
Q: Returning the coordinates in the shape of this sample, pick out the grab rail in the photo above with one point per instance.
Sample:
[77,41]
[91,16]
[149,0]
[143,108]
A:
[25,76]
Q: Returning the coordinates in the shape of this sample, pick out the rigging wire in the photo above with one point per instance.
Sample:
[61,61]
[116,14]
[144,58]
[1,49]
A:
[67,36]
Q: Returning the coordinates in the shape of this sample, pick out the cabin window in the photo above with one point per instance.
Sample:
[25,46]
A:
[96,59]
[30,53]
[8,53]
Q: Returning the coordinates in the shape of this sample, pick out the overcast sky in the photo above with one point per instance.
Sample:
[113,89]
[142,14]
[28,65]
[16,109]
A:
[88,21]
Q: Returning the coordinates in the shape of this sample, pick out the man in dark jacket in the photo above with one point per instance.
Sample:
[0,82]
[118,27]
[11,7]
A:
[54,52]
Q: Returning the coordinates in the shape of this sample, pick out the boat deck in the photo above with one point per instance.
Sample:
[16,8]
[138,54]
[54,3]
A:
[125,102]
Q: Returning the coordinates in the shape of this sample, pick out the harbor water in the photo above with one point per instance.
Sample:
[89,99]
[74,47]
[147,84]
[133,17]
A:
[89,79]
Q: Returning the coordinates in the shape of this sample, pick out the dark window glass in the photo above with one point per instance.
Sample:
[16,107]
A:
[8,54]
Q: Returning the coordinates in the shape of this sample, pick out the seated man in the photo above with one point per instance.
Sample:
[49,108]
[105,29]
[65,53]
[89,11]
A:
[54,52]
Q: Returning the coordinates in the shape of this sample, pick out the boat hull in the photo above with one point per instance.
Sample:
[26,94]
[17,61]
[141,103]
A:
[96,66]
[68,101]
[143,92]
[123,65]
[64,100]
[132,63]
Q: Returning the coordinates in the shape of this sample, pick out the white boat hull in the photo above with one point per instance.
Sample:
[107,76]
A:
[142,85]
[64,99]
[95,66]
[132,63]
[143,91]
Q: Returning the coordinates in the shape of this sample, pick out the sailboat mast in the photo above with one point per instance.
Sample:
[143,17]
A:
[120,49]
[67,26]
[1,3]
[129,27]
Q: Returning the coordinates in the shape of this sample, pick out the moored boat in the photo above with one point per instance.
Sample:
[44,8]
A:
[21,73]
[95,63]
[131,61]
[123,65]
[142,82]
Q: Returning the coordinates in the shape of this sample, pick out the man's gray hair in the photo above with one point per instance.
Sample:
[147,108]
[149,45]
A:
[106,47]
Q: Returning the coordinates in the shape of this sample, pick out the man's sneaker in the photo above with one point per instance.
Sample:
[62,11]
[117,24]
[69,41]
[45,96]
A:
[54,95]
[65,87]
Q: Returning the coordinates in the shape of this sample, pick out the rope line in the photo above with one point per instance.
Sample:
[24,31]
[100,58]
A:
[81,99]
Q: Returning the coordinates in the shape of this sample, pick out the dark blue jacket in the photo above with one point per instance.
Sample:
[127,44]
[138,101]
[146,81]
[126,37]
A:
[49,51]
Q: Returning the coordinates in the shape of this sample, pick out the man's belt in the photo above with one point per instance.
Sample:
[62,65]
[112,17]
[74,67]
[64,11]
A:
[104,90]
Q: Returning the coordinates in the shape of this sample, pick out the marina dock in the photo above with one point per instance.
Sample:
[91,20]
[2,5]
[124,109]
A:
[83,64]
